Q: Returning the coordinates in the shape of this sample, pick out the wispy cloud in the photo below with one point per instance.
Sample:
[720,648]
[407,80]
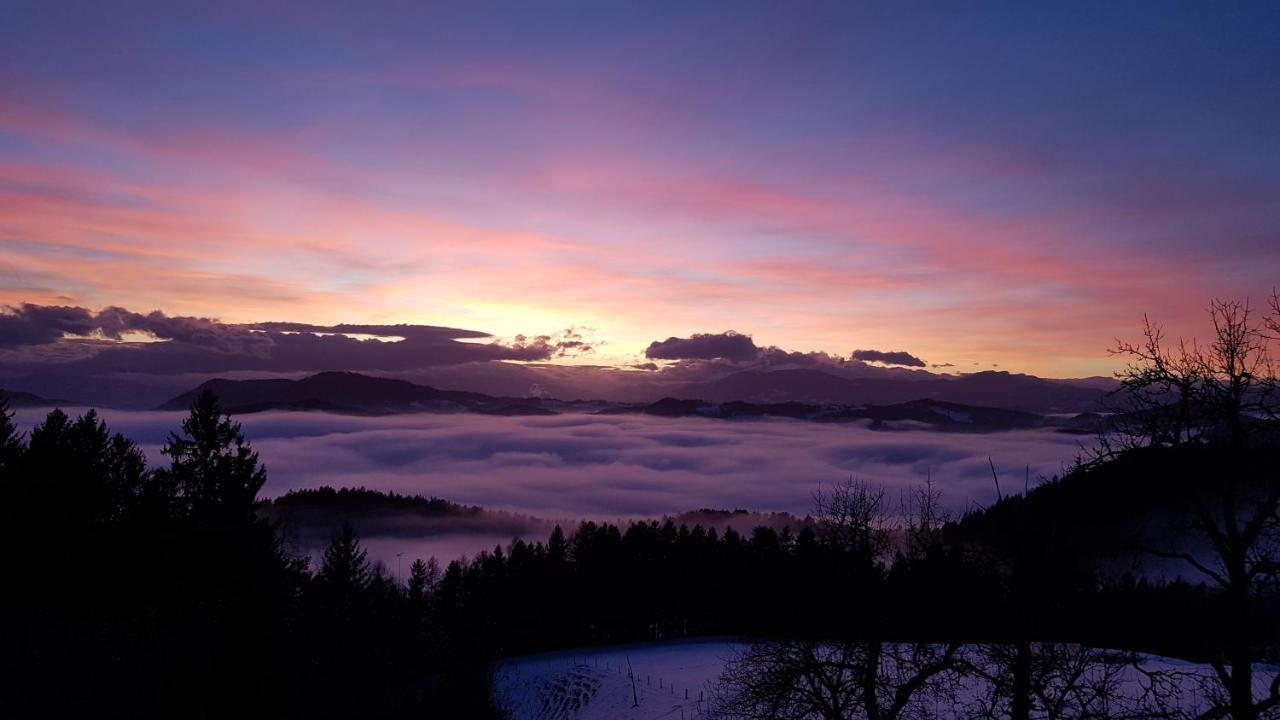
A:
[822,180]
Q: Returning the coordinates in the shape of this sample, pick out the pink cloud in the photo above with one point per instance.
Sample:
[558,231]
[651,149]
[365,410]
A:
[656,246]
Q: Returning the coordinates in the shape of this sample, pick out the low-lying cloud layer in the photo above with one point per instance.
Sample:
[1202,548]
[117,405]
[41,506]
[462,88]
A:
[573,466]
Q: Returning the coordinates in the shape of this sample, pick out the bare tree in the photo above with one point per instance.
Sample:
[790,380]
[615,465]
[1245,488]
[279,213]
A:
[1231,536]
[807,680]
[1156,401]
[1234,546]
[830,680]
[852,517]
[1273,319]
[1172,394]
[1238,377]
[923,517]
[1188,693]
[1051,681]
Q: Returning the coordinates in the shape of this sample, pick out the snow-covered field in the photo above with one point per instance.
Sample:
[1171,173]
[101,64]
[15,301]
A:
[672,681]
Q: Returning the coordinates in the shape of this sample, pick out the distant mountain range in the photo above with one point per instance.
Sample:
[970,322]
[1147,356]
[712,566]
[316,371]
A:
[17,399]
[991,389]
[353,393]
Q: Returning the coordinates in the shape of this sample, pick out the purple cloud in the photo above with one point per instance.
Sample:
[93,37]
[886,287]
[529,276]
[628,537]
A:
[704,346]
[39,324]
[39,334]
[896,357]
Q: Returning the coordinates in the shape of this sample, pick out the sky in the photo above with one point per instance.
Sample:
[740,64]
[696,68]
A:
[971,183]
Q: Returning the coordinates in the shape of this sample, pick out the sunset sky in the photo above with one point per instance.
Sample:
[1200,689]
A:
[994,187]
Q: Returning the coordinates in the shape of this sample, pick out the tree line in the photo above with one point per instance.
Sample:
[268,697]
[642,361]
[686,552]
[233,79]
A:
[136,592]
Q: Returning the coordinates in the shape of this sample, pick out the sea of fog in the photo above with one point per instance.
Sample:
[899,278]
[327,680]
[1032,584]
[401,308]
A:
[615,466]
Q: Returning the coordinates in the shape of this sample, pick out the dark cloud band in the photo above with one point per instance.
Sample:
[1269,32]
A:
[895,357]
[718,346]
[35,333]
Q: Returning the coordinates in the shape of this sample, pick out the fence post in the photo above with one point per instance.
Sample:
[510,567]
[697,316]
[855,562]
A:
[635,701]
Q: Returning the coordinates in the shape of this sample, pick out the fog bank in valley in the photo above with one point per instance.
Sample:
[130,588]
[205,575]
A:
[572,466]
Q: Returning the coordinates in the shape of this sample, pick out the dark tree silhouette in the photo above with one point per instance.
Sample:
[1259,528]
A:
[345,569]
[216,473]
[1225,391]
[11,442]
[420,583]
[804,680]
[83,470]
[1050,681]
[1226,395]
[162,593]
[557,546]
[923,519]
[852,518]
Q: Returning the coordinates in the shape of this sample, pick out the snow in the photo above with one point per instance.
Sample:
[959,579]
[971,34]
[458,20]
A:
[670,682]
[593,683]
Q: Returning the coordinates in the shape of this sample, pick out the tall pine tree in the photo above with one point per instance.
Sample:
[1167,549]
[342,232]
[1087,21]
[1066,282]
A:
[213,469]
[345,571]
[11,445]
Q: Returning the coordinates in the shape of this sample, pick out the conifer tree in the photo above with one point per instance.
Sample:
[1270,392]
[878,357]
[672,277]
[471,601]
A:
[346,565]
[212,467]
[11,445]
[49,440]
[557,546]
[418,581]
